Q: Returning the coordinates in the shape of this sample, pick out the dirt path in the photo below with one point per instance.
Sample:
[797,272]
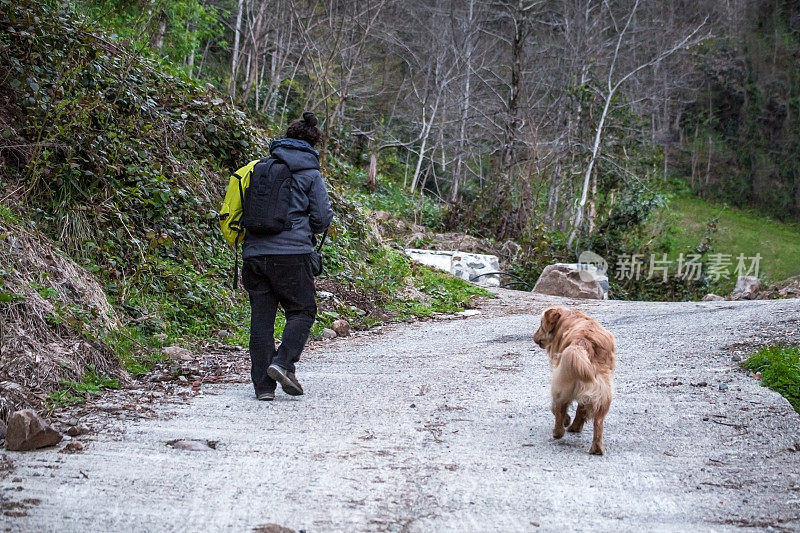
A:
[445,425]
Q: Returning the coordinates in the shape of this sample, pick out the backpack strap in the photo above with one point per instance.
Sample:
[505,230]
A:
[322,241]
[318,247]
[238,241]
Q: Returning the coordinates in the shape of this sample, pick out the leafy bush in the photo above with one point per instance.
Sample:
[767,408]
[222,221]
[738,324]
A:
[125,166]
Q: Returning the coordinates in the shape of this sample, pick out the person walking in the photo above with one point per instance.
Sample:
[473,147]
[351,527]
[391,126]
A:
[277,267]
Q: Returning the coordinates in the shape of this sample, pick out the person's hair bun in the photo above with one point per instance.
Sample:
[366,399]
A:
[310,118]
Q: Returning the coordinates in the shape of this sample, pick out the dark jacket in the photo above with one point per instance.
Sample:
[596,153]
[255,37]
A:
[310,210]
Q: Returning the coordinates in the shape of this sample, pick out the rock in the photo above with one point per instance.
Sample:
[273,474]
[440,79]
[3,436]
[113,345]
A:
[192,445]
[28,431]
[224,334]
[382,216]
[341,327]
[160,336]
[324,295]
[3,429]
[712,298]
[177,353]
[328,333]
[74,431]
[747,288]
[273,528]
[73,447]
[412,293]
[573,280]
[183,379]
[737,358]
[723,386]
[468,313]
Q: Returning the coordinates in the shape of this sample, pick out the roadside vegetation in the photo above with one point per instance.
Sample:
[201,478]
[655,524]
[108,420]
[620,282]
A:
[114,168]
[779,367]
[738,231]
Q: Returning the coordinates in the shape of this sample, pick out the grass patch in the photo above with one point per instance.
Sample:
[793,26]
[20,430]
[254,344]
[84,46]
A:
[738,231]
[137,351]
[448,293]
[72,392]
[780,370]
[7,214]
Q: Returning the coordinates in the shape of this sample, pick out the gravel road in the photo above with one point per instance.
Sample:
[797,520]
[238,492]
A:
[445,426]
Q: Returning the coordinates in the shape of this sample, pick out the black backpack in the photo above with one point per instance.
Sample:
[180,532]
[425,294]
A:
[265,209]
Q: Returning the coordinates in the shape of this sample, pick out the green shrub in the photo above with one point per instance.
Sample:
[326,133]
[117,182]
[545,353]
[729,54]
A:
[780,370]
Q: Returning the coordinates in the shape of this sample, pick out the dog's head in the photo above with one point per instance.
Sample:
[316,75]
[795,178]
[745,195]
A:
[549,325]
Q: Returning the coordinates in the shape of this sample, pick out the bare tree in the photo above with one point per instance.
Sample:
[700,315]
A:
[612,85]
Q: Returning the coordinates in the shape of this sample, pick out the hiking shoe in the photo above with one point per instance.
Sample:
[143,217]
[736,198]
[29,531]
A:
[294,381]
[290,387]
[266,396]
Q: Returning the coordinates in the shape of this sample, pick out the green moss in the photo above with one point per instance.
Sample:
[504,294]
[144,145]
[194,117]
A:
[780,370]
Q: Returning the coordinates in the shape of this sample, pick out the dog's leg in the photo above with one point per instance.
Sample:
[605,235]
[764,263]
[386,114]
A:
[580,419]
[560,411]
[597,439]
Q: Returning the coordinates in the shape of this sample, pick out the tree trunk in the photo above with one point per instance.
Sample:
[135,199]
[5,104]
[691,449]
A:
[507,157]
[372,173]
[157,39]
[426,131]
[458,173]
[189,60]
[592,212]
[236,42]
[579,211]
[552,194]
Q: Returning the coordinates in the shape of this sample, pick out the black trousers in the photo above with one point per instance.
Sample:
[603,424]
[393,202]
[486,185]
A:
[271,280]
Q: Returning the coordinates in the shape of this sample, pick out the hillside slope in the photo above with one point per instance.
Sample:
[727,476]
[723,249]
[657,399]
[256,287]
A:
[737,232]
[113,165]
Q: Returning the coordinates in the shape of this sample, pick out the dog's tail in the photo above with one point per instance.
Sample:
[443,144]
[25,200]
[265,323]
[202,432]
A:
[575,362]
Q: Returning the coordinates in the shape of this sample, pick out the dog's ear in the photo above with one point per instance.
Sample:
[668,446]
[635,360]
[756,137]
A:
[551,317]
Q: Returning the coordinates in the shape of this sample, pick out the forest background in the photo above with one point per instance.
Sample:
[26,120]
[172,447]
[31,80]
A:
[538,128]
[561,125]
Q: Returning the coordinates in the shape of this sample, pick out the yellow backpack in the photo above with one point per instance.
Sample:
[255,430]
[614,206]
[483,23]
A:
[230,215]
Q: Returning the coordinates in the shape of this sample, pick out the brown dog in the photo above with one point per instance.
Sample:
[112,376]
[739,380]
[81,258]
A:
[582,359]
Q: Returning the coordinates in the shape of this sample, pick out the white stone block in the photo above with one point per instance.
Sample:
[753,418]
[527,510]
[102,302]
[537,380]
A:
[466,266]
